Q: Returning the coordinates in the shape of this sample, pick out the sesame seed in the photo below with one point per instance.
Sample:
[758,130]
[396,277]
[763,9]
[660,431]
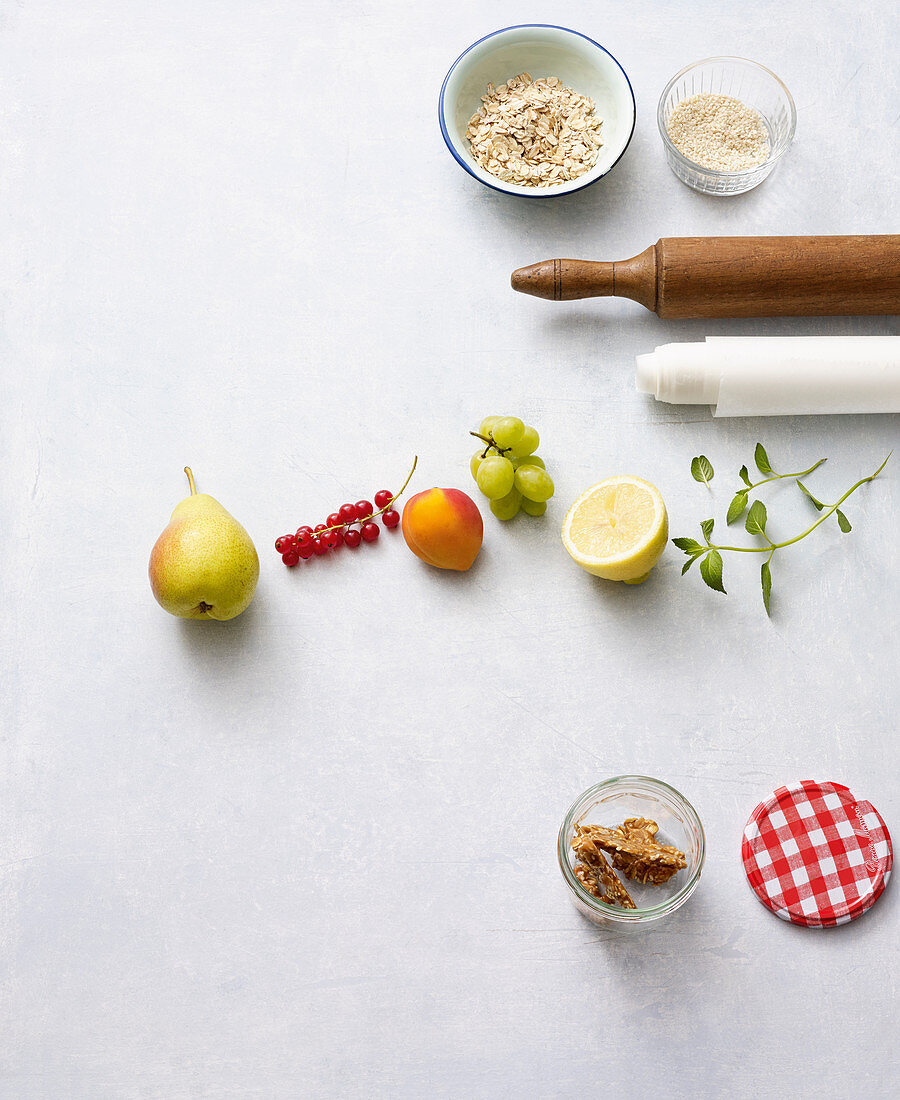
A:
[720,132]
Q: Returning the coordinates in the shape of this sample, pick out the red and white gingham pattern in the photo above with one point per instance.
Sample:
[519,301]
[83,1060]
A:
[815,855]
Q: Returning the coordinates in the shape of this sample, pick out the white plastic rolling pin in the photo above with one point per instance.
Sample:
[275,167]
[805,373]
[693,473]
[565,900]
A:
[777,375]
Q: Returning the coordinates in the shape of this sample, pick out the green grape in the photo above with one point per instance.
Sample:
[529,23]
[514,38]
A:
[474,462]
[534,507]
[533,483]
[496,477]
[487,424]
[507,431]
[528,460]
[507,507]
[529,443]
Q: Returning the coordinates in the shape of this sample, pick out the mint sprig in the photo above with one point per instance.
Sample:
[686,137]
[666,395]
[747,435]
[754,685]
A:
[709,554]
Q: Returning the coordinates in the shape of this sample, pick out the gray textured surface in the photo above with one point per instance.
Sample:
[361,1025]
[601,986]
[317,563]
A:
[311,852]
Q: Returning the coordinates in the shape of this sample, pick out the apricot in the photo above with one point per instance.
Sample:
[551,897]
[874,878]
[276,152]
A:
[444,528]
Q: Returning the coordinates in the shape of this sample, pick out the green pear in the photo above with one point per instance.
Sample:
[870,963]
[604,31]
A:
[204,565]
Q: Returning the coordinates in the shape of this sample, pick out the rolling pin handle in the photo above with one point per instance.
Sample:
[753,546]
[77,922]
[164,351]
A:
[565,280]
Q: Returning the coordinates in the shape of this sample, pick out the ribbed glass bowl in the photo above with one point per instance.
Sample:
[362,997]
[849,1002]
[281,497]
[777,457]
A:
[754,85]
[610,803]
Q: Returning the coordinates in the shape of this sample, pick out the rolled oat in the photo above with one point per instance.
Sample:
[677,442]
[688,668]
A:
[537,133]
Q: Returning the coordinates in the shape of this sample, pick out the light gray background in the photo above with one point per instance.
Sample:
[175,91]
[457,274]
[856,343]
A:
[310,853]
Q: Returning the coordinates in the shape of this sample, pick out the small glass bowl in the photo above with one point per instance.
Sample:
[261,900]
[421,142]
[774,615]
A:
[754,85]
[610,803]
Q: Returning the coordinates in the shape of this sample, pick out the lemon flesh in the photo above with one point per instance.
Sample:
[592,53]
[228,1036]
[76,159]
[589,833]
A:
[617,529]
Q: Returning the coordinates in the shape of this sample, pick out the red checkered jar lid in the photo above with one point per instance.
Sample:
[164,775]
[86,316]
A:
[816,855]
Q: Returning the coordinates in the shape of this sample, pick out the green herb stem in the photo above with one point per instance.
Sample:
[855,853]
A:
[710,555]
[779,477]
[790,542]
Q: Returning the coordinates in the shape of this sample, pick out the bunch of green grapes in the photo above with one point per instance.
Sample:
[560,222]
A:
[507,470]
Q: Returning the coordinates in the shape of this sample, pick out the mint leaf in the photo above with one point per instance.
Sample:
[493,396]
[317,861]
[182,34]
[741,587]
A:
[689,563]
[762,460]
[843,522]
[689,546]
[756,519]
[711,570]
[736,507]
[706,527]
[765,575]
[701,469]
[745,477]
[817,504]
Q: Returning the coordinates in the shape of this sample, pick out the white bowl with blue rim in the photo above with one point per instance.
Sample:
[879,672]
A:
[540,50]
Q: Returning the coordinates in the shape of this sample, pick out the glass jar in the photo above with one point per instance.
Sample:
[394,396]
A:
[609,804]
[756,87]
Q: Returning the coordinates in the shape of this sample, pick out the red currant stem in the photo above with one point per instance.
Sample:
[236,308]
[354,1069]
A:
[390,503]
[368,519]
[489,439]
[190,478]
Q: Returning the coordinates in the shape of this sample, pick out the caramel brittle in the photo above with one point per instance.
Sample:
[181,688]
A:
[639,868]
[597,877]
[633,841]
[632,849]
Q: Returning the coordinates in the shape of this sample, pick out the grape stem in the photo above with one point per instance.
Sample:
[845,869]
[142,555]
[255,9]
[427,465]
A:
[386,508]
[489,439]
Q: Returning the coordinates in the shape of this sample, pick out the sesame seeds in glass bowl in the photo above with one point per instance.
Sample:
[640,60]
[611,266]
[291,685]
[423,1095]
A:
[725,123]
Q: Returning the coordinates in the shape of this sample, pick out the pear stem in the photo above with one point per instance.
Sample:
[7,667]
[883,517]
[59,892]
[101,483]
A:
[190,478]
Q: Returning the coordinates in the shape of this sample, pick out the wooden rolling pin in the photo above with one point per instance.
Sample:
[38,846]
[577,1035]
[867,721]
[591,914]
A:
[735,277]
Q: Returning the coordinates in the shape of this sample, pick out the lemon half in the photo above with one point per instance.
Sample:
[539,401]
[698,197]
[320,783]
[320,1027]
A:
[617,529]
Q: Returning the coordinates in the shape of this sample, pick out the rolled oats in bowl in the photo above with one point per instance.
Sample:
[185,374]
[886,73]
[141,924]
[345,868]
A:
[536,133]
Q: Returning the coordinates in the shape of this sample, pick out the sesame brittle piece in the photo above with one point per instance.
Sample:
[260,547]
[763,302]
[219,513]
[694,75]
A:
[635,852]
[642,870]
[596,876]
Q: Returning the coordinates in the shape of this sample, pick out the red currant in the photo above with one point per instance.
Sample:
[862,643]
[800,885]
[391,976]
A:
[349,525]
